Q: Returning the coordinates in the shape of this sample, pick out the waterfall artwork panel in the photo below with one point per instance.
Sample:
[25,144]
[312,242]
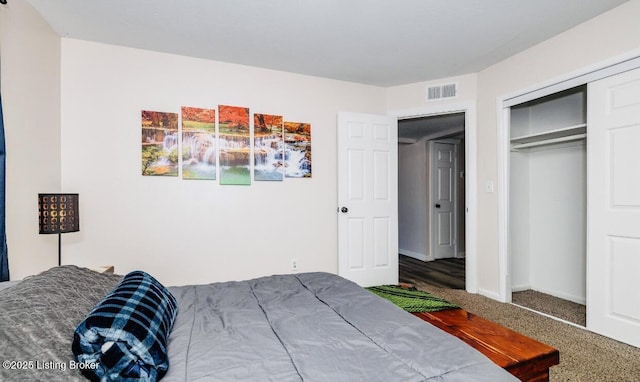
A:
[297,149]
[159,143]
[198,143]
[268,147]
[234,142]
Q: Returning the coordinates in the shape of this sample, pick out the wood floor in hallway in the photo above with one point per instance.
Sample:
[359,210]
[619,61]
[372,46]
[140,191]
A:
[443,273]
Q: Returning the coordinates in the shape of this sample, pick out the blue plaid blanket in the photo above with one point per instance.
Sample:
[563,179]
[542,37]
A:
[124,337]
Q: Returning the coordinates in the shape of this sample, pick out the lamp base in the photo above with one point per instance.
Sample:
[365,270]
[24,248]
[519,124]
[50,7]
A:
[59,249]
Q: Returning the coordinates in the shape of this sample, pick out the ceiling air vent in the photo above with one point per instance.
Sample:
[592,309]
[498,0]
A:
[441,92]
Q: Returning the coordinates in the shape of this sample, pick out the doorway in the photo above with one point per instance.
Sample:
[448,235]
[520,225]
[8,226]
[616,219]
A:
[607,281]
[548,206]
[431,195]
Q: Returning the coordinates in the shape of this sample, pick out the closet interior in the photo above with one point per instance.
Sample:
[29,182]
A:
[548,195]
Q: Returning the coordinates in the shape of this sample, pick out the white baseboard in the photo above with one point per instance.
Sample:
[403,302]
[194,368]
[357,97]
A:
[415,255]
[461,255]
[565,296]
[487,293]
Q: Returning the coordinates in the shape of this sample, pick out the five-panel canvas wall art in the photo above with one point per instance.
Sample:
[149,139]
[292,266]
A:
[205,148]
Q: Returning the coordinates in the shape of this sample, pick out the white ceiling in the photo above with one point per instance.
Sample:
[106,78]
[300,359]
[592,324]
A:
[377,42]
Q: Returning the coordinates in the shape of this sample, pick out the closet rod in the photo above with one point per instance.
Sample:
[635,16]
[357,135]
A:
[568,138]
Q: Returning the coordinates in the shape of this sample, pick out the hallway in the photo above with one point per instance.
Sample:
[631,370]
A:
[443,273]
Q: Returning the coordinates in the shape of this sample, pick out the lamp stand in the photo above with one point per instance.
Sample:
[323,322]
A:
[59,249]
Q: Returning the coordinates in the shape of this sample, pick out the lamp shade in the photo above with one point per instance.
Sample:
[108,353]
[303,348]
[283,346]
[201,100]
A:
[58,213]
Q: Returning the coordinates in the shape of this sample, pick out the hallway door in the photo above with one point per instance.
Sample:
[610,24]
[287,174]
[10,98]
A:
[443,213]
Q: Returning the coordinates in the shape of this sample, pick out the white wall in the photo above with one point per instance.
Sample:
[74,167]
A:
[558,214]
[194,231]
[119,82]
[611,34]
[461,199]
[30,54]
[412,98]
[519,219]
[413,195]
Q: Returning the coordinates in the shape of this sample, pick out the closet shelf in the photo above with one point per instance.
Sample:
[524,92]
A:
[567,138]
[566,134]
[552,134]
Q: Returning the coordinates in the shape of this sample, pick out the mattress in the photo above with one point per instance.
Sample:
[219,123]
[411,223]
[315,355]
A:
[38,317]
[302,327]
[311,327]
[7,284]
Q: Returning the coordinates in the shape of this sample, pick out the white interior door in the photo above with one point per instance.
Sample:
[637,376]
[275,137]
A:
[368,198]
[443,234]
[613,160]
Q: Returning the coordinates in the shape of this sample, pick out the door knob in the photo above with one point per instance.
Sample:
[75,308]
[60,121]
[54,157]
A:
[344,210]
[437,205]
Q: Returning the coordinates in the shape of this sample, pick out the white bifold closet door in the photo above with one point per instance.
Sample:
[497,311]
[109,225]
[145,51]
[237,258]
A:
[613,160]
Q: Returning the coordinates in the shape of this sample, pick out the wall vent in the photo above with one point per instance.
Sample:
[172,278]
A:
[442,92]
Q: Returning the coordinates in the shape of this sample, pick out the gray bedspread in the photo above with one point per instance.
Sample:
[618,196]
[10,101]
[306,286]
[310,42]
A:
[311,327]
[304,327]
[38,317]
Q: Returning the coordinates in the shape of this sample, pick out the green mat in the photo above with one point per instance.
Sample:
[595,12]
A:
[411,299]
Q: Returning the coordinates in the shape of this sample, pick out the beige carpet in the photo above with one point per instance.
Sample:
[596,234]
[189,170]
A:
[584,356]
[554,306]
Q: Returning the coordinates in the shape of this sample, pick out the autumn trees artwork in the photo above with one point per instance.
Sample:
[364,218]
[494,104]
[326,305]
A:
[159,143]
[234,139]
[202,150]
[297,140]
[268,147]
[199,151]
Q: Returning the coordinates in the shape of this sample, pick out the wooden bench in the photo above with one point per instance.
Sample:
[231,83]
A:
[522,356]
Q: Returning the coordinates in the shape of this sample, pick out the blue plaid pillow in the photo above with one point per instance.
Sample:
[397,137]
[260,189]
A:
[124,337]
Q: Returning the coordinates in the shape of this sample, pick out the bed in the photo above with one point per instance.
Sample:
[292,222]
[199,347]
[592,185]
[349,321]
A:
[300,327]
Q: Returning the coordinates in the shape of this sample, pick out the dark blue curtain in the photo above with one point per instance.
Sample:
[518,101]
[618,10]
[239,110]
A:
[4,259]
